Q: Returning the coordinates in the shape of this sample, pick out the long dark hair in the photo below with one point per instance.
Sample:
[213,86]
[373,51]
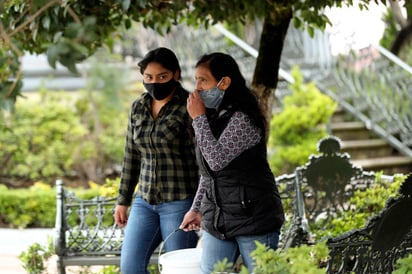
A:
[163,56]
[237,95]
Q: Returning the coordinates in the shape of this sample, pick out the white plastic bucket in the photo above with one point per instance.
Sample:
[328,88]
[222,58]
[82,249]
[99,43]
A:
[182,261]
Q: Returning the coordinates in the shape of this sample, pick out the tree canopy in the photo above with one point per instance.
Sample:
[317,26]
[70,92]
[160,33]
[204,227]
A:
[69,31]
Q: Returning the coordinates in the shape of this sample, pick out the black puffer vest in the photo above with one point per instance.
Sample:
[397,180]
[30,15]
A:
[243,198]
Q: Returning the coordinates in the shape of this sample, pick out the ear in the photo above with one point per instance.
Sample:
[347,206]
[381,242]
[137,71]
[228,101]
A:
[225,83]
[176,75]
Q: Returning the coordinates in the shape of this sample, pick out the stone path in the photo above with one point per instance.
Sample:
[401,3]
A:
[15,241]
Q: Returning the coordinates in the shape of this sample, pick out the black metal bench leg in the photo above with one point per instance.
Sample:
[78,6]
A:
[60,267]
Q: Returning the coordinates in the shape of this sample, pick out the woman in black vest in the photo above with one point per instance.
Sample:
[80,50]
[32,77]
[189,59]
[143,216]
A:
[237,202]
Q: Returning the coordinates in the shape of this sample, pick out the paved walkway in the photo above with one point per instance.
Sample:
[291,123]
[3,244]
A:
[15,241]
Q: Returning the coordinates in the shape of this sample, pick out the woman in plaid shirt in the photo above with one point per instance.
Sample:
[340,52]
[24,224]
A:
[159,158]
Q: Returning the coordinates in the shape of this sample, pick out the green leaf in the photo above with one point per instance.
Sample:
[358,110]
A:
[40,3]
[57,36]
[45,22]
[311,31]
[297,22]
[69,63]
[72,30]
[125,4]
[128,23]
[52,55]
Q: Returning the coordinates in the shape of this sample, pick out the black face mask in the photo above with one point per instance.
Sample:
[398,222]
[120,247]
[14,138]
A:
[159,91]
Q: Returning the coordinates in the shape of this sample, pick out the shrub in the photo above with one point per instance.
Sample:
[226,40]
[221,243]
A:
[73,135]
[35,258]
[43,135]
[295,131]
[33,207]
[404,265]
[303,259]
[36,206]
[365,203]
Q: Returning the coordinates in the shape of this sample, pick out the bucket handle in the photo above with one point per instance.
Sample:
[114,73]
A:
[161,247]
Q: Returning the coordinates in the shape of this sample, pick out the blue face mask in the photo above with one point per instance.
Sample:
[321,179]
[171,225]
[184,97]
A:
[212,97]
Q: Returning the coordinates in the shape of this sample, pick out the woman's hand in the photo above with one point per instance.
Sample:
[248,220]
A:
[195,106]
[191,221]
[120,215]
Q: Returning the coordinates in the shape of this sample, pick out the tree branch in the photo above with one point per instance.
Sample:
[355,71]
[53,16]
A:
[7,41]
[74,15]
[397,13]
[31,18]
[13,85]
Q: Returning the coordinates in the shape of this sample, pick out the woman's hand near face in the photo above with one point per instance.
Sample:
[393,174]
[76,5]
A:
[195,106]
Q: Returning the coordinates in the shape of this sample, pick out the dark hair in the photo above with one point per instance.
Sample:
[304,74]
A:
[163,56]
[237,95]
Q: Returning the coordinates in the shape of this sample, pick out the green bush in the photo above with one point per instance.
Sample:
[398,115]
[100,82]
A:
[404,265]
[303,259]
[35,258]
[74,135]
[36,206]
[42,137]
[365,203]
[295,131]
[33,207]
[297,260]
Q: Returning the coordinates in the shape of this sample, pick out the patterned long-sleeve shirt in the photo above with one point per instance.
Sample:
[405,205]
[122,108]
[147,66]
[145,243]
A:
[159,153]
[239,135]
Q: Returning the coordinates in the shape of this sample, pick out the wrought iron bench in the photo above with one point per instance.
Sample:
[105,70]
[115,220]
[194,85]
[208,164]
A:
[319,191]
[85,233]
[376,247]
[314,194]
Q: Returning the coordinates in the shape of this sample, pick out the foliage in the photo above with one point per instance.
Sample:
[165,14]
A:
[10,79]
[302,259]
[70,31]
[36,256]
[41,139]
[109,189]
[60,134]
[296,260]
[103,109]
[35,260]
[403,265]
[391,31]
[223,266]
[300,124]
[36,206]
[33,207]
[366,203]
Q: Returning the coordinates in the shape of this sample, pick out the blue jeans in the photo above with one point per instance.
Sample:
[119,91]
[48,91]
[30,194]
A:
[147,226]
[215,250]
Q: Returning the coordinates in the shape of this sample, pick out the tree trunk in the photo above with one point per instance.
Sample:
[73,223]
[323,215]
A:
[403,37]
[266,72]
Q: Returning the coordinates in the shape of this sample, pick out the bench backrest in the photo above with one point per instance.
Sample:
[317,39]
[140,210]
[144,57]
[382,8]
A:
[319,191]
[85,227]
[376,247]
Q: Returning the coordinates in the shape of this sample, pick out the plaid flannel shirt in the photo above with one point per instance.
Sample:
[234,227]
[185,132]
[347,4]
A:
[159,154]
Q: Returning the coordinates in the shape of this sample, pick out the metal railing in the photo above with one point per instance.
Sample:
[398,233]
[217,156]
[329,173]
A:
[371,83]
